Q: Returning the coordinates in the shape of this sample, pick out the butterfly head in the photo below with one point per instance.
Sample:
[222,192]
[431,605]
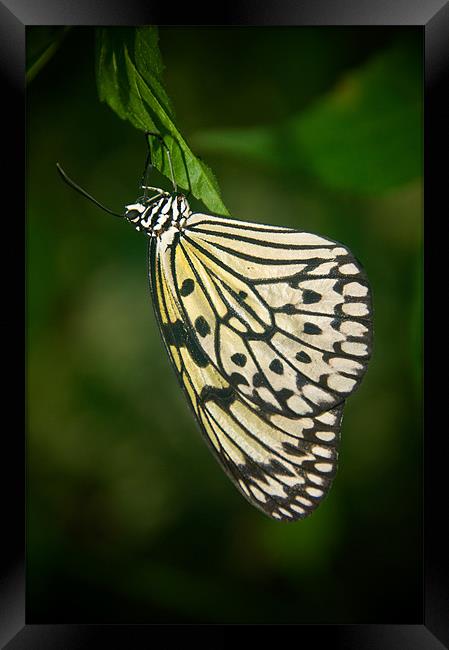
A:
[155,215]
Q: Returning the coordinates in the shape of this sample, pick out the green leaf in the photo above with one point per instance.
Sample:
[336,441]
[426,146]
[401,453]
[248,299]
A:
[41,45]
[129,79]
[365,135]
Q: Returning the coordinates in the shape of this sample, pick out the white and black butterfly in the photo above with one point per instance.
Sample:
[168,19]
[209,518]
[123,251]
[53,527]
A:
[269,331]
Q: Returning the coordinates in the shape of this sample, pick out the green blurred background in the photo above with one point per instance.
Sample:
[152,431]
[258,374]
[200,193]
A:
[129,517]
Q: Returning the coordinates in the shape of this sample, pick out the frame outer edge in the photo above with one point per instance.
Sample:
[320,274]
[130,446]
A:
[12,578]
[436,561]
[240,12]
[12,51]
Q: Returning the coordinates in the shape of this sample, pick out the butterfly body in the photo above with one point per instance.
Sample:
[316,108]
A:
[153,217]
[269,331]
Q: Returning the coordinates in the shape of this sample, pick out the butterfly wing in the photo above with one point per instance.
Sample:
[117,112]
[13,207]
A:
[284,316]
[282,465]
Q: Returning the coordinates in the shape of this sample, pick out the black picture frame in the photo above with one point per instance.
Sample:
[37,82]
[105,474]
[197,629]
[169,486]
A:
[432,631]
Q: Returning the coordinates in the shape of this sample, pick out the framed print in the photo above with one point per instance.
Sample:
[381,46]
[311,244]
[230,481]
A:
[279,168]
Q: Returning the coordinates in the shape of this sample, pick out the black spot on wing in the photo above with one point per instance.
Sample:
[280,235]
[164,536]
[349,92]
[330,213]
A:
[202,326]
[309,297]
[239,359]
[301,380]
[284,394]
[259,380]
[187,287]
[236,378]
[176,334]
[295,280]
[276,367]
[288,309]
[303,357]
[311,328]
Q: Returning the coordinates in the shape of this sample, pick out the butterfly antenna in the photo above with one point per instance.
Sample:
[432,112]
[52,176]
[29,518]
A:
[164,144]
[83,192]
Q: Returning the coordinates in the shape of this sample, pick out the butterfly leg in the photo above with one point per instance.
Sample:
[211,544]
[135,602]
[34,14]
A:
[164,144]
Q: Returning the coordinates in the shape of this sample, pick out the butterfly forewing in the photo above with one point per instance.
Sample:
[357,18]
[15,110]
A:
[269,331]
[295,337]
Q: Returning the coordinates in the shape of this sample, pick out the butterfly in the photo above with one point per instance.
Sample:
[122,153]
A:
[269,330]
